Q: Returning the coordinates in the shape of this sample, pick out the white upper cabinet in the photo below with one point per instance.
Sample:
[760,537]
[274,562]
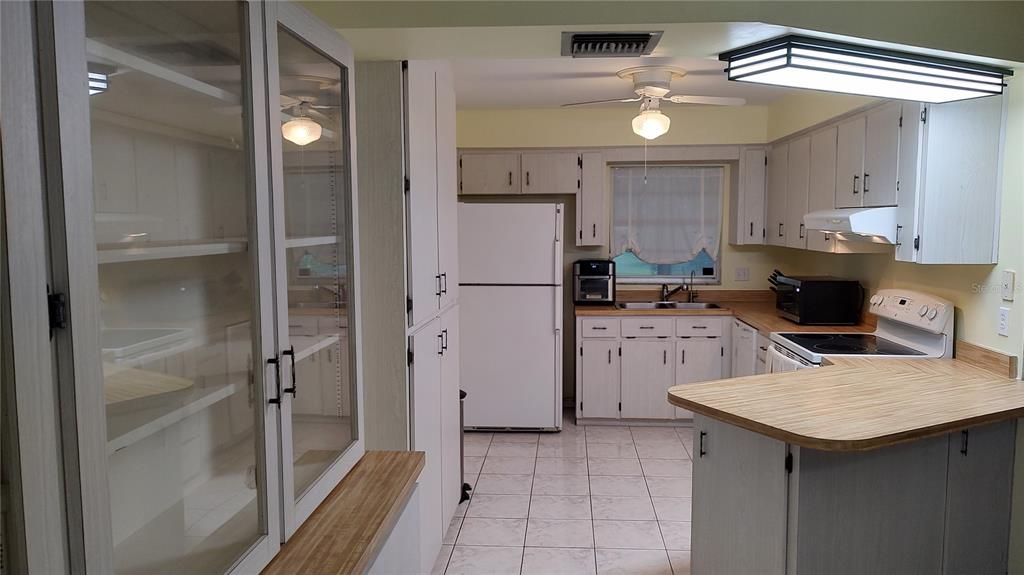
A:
[797,182]
[489,173]
[747,201]
[850,163]
[821,193]
[591,205]
[950,180]
[421,121]
[550,172]
[447,184]
[881,151]
[778,158]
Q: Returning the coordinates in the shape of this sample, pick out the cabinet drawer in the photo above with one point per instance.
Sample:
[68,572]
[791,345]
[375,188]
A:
[647,327]
[600,327]
[699,326]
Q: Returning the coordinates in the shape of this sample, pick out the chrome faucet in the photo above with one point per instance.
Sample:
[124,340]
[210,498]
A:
[690,294]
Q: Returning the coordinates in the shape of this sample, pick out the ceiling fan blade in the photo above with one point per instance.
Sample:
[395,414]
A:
[637,99]
[709,100]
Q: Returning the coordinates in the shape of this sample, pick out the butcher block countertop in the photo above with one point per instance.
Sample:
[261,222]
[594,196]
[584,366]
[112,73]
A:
[759,314]
[859,404]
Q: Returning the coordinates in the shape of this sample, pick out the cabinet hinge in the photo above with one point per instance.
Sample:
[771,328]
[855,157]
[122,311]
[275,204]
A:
[460,161]
[581,406]
[581,351]
[57,307]
[723,352]
[409,356]
[620,406]
[579,161]
[579,185]
[763,233]
[924,115]
[581,234]
[408,305]
[901,121]
[789,463]
[407,184]
[917,242]
[620,352]
[766,160]
[964,436]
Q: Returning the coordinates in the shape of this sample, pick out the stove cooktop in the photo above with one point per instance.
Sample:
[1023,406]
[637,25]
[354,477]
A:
[849,344]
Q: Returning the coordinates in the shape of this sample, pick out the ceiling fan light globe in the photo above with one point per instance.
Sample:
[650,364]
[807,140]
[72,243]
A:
[650,124]
[301,131]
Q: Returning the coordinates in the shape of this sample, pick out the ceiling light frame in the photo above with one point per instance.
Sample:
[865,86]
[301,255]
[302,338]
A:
[820,64]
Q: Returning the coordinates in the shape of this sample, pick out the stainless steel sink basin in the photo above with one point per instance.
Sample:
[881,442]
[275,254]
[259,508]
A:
[314,305]
[666,305]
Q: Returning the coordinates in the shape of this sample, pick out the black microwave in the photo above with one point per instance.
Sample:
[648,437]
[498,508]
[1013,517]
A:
[818,300]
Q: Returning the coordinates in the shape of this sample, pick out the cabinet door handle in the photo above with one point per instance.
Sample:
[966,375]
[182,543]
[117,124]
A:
[897,242]
[609,357]
[855,180]
[647,327]
[801,231]
[527,178]
[599,327]
[684,357]
[444,283]
[751,229]
[780,229]
[664,356]
[510,178]
[276,362]
[440,344]
[866,182]
[293,389]
[698,327]
[702,452]
[444,340]
[593,231]
[437,279]
[762,348]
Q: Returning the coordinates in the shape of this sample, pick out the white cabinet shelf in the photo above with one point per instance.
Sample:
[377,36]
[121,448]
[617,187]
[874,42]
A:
[148,251]
[128,428]
[310,241]
[307,345]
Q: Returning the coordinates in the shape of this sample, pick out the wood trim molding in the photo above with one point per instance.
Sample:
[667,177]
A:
[987,359]
[348,530]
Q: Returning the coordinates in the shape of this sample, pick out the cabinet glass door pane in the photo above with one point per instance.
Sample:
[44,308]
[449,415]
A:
[169,110]
[314,126]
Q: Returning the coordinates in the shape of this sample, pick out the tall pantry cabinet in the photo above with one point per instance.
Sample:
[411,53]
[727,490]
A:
[195,286]
[417,140]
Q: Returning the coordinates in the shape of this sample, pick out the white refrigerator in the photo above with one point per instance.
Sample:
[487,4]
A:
[510,265]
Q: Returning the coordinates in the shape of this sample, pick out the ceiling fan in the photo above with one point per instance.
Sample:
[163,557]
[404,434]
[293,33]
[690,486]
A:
[652,85]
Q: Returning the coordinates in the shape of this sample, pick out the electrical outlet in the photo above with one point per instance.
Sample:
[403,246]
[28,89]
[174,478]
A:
[742,274]
[1009,278]
[1004,322]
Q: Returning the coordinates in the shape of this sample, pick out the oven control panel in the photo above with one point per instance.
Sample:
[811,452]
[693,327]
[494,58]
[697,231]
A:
[921,310]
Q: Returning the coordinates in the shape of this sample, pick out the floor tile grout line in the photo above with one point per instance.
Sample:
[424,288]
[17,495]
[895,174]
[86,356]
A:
[463,522]
[590,495]
[651,497]
[529,507]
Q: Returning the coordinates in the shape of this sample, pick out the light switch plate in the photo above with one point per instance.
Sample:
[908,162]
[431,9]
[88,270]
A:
[742,274]
[1004,322]
[1009,278]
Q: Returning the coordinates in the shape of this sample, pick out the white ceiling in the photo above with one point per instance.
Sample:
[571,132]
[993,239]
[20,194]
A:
[551,82]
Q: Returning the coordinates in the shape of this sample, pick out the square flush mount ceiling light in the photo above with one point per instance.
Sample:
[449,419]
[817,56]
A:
[818,64]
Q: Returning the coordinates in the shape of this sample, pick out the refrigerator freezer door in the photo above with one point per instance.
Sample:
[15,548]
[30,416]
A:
[511,356]
[510,244]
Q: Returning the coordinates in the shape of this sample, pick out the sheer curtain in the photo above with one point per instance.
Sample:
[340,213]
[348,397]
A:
[667,214]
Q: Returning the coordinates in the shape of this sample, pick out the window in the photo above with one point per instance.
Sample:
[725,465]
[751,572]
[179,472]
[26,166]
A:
[666,223]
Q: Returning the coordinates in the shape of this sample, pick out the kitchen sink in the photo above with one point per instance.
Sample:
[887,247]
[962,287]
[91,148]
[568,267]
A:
[666,305]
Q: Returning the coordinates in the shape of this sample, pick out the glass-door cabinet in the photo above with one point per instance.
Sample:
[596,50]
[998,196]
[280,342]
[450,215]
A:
[205,232]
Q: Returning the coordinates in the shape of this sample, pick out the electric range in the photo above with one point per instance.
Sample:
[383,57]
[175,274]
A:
[910,325]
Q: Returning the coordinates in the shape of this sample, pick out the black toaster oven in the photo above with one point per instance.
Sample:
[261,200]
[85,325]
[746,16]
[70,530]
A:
[593,281]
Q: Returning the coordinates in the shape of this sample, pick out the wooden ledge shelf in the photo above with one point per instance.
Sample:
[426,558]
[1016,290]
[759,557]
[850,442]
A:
[349,528]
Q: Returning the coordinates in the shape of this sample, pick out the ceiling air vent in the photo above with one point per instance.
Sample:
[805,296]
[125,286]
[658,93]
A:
[609,44]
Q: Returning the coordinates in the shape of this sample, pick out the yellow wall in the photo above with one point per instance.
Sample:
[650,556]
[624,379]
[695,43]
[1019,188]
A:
[795,112]
[553,127]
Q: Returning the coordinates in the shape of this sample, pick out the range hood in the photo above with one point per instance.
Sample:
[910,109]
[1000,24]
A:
[875,225]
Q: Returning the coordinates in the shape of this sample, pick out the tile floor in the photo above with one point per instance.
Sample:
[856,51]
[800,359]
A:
[588,500]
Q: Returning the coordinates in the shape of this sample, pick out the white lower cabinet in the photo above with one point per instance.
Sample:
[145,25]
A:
[628,376]
[598,366]
[434,401]
[744,349]
[647,373]
[700,359]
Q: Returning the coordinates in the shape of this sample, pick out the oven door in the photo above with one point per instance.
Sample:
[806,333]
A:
[779,361]
[594,289]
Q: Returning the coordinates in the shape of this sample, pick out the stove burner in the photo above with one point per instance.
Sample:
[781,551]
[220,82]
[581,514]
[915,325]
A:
[840,347]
